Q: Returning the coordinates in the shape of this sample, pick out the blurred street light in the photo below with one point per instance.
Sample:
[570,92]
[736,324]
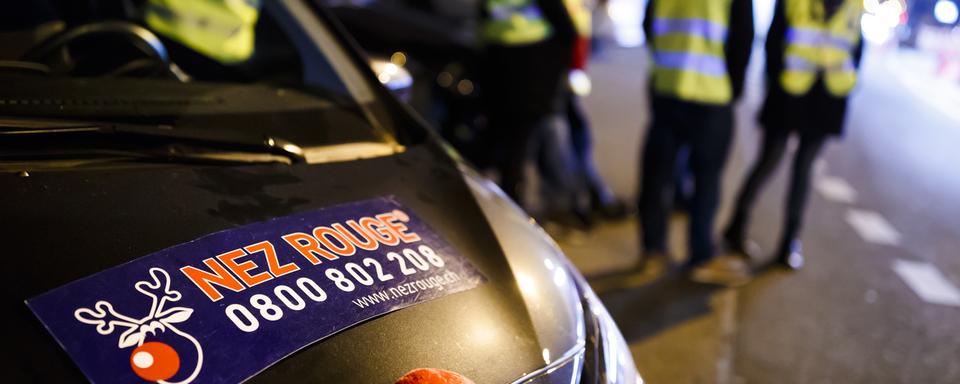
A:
[881,18]
[946,12]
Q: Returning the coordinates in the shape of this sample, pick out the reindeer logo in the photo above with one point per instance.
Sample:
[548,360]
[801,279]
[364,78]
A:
[151,360]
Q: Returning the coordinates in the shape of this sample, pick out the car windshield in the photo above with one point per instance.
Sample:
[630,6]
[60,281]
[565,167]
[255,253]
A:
[270,69]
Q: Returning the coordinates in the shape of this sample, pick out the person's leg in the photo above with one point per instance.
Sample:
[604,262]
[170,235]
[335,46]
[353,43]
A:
[774,144]
[561,180]
[709,145]
[682,180]
[658,156]
[579,130]
[513,136]
[601,198]
[807,152]
[582,144]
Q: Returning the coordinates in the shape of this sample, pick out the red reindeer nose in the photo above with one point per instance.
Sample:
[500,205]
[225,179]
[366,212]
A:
[433,376]
[155,361]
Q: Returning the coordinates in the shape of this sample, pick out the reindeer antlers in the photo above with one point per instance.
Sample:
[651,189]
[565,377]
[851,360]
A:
[159,291]
[106,318]
[98,317]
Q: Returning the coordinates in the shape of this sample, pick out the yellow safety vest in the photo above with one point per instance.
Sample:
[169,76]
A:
[220,29]
[815,44]
[579,11]
[514,22]
[688,50]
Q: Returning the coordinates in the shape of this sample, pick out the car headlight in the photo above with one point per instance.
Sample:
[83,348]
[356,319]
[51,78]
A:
[607,358]
[581,342]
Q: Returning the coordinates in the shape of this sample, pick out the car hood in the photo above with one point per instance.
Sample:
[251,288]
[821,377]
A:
[64,225]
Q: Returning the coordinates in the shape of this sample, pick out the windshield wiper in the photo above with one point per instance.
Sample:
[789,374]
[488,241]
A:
[227,146]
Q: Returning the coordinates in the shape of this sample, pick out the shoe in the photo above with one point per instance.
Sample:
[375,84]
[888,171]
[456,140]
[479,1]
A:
[569,220]
[652,264]
[734,241]
[723,270]
[613,210]
[790,256]
[608,208]
[749,250]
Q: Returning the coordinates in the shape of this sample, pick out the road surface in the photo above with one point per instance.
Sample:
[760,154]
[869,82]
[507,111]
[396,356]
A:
[878,300]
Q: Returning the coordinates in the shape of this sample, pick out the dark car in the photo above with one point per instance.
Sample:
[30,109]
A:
[437,43]
[213,192]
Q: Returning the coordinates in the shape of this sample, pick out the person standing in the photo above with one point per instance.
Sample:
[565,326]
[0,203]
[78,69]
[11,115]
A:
[601,199]
[813,51]
[527,49]
[700,53]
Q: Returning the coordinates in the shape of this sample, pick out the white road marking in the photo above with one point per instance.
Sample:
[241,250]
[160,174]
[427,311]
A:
[726,305]
[928,282]
[872,227]
[836,189]
[820,167]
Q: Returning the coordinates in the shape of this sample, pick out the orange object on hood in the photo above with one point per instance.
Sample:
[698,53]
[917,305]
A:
[433,376]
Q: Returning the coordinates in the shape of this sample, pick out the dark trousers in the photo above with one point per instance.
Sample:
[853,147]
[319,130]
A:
[582,142]
[774,145]
[522,95]
[561,178]
[706,131]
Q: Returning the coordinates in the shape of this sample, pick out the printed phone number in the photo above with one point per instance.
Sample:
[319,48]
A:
[365,273]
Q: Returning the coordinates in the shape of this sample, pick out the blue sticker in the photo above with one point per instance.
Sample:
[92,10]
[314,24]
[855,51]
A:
[226,306]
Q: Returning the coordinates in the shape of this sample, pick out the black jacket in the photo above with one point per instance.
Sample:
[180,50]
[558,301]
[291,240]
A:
[739,40]
[817,112]
[526,80]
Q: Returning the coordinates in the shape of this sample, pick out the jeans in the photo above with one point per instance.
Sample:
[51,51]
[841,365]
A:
[562,181]
[582,142]
[706,131]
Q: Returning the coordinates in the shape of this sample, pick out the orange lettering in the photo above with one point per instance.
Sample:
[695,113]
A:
[379,231]
[273,263]
[308,246]
[242,270]
[393,223]
[368,243]
[205,280]
[323,234]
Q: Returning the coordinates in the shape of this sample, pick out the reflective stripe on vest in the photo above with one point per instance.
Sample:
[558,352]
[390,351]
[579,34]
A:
[698,27]
[580,15]
[515,22]
[815,45]
[688,50]
[220,29]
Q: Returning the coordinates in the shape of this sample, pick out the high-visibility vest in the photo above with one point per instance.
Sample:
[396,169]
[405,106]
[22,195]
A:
[514,22]
[220,29]
[579,11]
[815,44]
[688,50]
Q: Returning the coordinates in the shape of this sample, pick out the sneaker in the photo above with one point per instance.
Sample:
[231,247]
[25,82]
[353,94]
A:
[791,256]
[613,210]
[747,249]
[653,263]
[723,270]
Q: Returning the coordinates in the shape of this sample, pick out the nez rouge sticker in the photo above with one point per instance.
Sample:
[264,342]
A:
[221,308]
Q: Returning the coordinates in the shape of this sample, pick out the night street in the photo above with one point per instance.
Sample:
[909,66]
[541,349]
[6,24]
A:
[877,301]
[448,191]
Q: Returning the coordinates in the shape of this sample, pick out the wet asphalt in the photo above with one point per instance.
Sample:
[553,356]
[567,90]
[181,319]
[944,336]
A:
[847,317]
